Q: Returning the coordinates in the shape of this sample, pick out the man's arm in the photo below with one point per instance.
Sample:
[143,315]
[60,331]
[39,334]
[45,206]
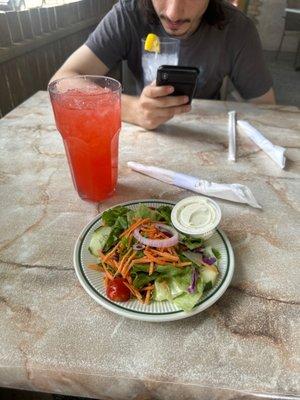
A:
[149,110]
[249,72]
[82,62]
[267,98]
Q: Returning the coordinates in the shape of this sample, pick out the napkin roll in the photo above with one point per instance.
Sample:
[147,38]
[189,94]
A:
[185,181]
[231,136]
[232,192]
[276,153]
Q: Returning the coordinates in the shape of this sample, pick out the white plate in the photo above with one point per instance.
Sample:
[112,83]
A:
[157,311]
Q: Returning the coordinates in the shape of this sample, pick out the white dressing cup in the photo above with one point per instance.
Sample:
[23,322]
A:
[196,216]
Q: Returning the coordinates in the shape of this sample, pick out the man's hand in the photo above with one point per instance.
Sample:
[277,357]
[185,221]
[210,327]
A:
[155,106]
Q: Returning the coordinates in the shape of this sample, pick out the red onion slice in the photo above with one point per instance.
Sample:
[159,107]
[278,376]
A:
[138,246]
[172,241]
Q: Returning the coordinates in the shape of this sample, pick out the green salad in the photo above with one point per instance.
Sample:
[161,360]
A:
[143,257]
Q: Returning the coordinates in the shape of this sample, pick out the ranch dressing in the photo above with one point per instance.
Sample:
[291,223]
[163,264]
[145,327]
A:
[196,215]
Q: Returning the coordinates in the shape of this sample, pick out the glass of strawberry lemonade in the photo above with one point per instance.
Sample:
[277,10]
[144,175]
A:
[88,116]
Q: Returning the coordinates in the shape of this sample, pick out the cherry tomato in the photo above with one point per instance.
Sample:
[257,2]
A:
[117,291]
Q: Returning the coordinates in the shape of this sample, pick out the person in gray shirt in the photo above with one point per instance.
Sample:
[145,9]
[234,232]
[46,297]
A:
[214,36]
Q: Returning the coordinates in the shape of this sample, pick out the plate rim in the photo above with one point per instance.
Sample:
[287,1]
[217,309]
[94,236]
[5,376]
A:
[141,315]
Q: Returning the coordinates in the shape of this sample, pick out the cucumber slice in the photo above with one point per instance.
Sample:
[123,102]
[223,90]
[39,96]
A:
[99,239]
[209,274]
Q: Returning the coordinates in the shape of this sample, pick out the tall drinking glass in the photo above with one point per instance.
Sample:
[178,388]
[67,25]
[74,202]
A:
[88,117]
[151,61]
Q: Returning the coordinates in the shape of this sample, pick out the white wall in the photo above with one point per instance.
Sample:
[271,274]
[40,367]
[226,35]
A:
[271,24]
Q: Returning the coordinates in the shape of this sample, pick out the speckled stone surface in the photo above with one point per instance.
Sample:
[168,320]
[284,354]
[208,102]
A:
[55,338]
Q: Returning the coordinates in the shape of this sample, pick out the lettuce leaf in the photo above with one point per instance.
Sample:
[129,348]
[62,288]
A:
[196,258]
[142,279]
[139,268]
[175,289]
[210,252]
[170,270]
[191,243]
[165,270]
[216,253]
[162,213]
[110,217]
[119,226]
[179,284]
[162,291]
[209,275]
[140,276]
[130,217]
[187,301]
[165,213]
[125,245]
[145,212]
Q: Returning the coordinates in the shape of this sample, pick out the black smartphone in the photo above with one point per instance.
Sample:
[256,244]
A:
[183,79]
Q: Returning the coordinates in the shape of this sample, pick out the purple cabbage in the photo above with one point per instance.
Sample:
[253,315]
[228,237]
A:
[209,260]
[198,250]
[193,285]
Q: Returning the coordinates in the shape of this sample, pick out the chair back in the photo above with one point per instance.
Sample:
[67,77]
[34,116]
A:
[292,22]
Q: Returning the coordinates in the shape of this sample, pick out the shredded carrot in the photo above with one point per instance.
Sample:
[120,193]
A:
[159,236]
[184,264]
[120,265]
[110,263]
[134,291]
[151,229]
[134,226]
[150,256]
[130,288]
[130,240]
[173,251]
[95,267]
[150,287]
[151,268]
[115,264]
[143,260]
[107,273]
[166,256]
[105,257]
[127,264]
[148,296]
[147,299]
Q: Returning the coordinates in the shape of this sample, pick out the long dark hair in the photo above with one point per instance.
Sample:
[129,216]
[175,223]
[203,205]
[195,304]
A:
[214,14]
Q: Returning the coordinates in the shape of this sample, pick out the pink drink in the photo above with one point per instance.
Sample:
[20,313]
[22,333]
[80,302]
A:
[88,119]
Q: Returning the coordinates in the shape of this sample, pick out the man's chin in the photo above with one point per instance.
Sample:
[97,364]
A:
[177,33]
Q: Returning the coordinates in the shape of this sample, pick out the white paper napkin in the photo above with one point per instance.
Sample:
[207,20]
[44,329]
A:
[231,135]
[232,192]
[272,150]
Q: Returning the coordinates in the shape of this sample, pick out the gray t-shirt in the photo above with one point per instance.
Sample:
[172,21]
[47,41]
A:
[234,51]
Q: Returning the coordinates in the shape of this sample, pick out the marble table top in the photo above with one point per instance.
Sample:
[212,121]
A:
[55,338]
